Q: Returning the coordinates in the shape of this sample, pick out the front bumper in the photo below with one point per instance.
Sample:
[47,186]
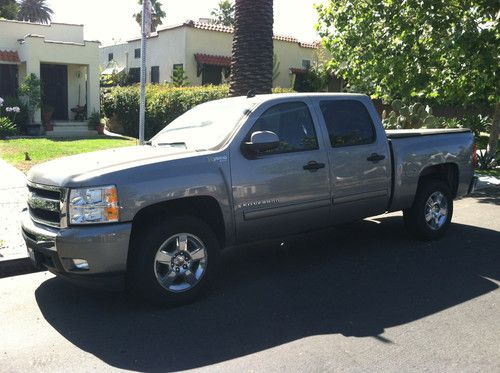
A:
[103,247]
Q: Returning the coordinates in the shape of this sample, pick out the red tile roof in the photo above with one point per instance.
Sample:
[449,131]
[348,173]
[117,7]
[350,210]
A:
[9,56]
[297,70]
[208,59]
[229,30]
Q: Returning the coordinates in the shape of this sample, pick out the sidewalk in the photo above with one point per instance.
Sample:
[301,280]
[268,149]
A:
[13,194]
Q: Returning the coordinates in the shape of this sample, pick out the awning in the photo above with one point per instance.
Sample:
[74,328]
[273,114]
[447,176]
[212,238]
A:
[213,60]
[112,68]
[208,59]
[9,56]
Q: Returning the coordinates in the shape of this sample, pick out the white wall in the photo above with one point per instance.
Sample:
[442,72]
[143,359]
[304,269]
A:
[163,50]
[11,31]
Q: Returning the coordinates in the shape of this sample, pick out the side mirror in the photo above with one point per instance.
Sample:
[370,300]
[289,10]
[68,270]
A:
[261,141]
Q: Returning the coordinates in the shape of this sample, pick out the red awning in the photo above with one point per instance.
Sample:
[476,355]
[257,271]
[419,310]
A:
[208,59]
[297,70]
[9,56]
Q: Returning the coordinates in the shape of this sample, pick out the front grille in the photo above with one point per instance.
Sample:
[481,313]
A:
[44,204]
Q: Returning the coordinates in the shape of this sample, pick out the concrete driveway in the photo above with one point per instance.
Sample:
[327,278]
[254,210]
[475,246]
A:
[362,297]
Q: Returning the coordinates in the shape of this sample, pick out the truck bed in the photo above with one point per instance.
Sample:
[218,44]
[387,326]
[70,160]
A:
[397,134]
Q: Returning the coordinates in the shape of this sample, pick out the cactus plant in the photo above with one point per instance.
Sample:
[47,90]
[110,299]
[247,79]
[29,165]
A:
[408,116]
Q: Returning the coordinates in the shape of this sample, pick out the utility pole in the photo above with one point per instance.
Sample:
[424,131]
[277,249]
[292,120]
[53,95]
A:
[145,30]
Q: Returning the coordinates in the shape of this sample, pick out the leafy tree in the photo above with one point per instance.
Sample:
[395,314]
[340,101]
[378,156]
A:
[9,9]
[444,51]
[156,16]
[224,13]
[179,77]
[34,11]
[252,59]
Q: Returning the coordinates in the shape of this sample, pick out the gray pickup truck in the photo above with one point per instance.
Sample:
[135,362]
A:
[153,218]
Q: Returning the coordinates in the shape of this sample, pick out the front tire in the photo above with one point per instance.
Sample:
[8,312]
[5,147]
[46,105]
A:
[430,215]
[173,261]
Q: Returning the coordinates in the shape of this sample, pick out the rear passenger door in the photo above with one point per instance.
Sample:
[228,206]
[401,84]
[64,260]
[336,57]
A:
[360,162]
[285,190]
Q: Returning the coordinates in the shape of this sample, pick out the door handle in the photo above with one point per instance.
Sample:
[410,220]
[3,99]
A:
[313,166]
[375,157]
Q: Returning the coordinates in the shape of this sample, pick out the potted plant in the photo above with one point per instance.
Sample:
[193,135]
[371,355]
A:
[94,122]
[47,112]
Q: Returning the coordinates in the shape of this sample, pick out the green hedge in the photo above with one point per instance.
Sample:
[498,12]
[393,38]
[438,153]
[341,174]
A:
[164,103]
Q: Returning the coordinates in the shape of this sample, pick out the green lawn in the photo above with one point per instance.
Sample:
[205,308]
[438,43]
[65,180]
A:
[494,172]
[44,149]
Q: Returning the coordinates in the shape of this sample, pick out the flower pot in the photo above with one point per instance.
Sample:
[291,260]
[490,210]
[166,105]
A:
[100,129]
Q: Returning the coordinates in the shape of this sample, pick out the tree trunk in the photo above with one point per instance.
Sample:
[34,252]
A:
[495,130]
[252,59]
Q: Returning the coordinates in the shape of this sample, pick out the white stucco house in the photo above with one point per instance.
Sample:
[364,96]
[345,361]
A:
[67,65]
[203,50]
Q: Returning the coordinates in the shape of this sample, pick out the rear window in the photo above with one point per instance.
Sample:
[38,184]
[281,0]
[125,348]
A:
[348,122]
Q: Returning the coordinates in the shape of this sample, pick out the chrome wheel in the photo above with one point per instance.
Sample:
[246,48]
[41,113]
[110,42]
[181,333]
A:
[180,262]
[436,210]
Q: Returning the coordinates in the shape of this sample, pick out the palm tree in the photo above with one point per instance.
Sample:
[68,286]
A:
[34,11]
[156,16]
[252,60]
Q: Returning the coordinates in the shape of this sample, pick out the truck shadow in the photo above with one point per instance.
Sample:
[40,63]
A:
[356,280]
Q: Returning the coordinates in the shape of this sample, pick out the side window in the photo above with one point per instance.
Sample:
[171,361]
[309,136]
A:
[348,122]
[292,123]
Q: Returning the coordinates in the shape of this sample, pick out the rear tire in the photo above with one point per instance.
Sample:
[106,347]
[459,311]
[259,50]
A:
[430,215]
[173,261]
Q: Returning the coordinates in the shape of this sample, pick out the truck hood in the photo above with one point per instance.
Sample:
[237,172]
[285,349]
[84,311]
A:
[80,169]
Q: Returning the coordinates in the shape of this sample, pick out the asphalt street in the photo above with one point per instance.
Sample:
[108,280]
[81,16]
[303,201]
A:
[360,297]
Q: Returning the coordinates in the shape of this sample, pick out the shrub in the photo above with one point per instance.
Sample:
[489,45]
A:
[7,128]
[31,88]
[164,103]
[487,160]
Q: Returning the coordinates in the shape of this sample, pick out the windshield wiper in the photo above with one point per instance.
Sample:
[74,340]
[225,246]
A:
[173,144]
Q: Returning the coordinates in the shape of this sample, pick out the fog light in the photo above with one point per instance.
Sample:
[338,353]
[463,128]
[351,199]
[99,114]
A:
[80,264]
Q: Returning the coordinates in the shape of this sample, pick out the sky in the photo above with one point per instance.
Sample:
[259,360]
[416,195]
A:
[111,21]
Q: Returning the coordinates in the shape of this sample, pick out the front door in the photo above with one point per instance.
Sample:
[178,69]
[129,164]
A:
[55,89]
[285,190]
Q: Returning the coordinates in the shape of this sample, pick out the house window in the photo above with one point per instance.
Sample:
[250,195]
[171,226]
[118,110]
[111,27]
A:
[134,74]
[8,80]
[110,56]
[155,74]
[211,75]
[137,52]
[177,66]
[306,64]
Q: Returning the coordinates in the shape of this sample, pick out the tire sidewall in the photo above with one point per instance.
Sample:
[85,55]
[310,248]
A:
[142,280]
[415,217]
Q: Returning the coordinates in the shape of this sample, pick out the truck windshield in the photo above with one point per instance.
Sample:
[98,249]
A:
[205,126]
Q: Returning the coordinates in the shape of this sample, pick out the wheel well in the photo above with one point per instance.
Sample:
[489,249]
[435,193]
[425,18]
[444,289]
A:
[447,172]
[203,207]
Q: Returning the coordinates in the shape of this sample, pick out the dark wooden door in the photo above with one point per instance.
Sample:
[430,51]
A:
[55,89]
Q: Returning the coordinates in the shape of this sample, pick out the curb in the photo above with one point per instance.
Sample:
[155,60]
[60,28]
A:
[14,267]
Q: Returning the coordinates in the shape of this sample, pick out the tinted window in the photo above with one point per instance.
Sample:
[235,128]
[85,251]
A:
[292,123]
[348,122]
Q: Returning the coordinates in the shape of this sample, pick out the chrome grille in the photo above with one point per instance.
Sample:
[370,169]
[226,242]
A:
[45,204]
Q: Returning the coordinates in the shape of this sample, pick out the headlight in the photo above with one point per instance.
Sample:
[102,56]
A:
[93,205]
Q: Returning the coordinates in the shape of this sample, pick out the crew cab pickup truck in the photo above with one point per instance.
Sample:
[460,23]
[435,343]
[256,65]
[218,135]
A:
[154,218]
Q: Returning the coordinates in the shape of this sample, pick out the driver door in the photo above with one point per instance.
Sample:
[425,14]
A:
[285,190]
